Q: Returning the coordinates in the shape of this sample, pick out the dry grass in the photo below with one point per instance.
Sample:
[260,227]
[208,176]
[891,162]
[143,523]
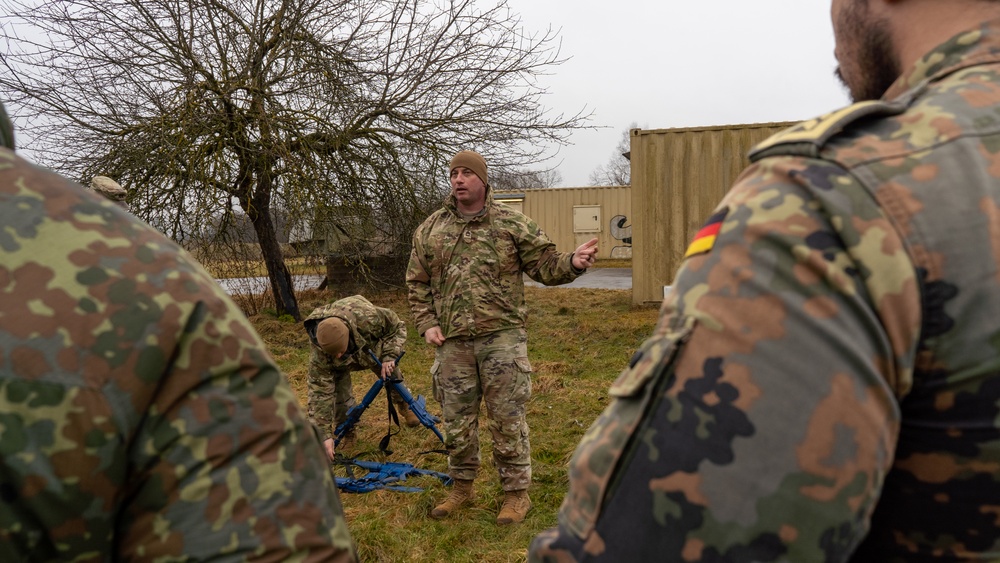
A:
[579,340]
[613,263]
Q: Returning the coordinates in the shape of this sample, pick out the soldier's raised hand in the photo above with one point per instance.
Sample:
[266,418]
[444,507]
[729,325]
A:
[585,255]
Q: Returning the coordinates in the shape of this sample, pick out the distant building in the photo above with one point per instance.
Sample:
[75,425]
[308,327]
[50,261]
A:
[680,176]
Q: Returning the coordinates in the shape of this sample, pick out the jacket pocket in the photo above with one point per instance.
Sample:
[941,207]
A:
[611,438]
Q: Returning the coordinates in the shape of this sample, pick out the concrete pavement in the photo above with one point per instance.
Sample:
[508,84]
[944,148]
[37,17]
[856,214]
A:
[261,284]
[595,278]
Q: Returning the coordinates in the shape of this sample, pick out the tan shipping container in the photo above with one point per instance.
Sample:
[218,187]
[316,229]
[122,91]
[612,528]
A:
[678,178]
[572,216]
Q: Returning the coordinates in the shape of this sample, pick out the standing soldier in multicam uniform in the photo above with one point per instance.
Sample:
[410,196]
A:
[141,416]
[341,335]
[824,381]
[467,296]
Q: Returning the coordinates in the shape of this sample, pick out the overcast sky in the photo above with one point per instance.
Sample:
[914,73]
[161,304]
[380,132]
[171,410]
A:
[681,63]
[673,63]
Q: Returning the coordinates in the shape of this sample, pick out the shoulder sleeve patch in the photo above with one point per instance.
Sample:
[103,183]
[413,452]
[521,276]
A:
[808,137]
[705,239]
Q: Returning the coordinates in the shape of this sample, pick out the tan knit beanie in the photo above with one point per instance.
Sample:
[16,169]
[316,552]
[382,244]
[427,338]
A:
[332,336]
[471,160]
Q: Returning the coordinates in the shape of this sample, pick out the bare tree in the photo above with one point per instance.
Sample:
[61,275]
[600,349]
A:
[203,109]
[618,170]
[508,179]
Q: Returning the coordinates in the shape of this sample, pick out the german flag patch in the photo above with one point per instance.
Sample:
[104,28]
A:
[705,239]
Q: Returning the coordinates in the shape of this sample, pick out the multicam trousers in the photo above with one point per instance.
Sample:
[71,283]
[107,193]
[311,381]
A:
[494,369]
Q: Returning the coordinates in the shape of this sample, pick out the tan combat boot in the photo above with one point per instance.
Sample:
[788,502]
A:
[461,493]
[409,416]
[516,505]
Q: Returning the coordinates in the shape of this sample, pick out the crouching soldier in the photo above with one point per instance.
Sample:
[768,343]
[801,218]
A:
[341,334]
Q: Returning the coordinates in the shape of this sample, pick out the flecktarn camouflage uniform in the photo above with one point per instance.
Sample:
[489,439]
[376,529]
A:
[141,417]
[824,381]
[465,275]
[372,328]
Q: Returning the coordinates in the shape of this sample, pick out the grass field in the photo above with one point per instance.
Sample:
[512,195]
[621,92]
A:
[579,340]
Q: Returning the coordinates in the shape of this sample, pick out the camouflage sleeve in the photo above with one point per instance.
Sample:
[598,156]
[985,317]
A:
[759,421]
[321,393]
[539,257]
[230,465]
[141,417]
[418,285]
[393,338]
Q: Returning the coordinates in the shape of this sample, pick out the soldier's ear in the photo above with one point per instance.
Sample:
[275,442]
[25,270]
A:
[6,129]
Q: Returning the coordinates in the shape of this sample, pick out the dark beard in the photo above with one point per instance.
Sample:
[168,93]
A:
[879,68]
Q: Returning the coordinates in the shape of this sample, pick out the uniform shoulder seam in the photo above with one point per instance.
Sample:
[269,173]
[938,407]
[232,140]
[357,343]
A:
[808,137]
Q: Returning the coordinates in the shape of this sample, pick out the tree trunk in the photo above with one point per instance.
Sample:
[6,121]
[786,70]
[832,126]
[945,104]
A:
[277,272]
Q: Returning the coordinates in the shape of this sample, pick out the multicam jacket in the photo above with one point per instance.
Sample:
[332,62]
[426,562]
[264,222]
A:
[465,275]
[141,416]
[824,381]
[372,328]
